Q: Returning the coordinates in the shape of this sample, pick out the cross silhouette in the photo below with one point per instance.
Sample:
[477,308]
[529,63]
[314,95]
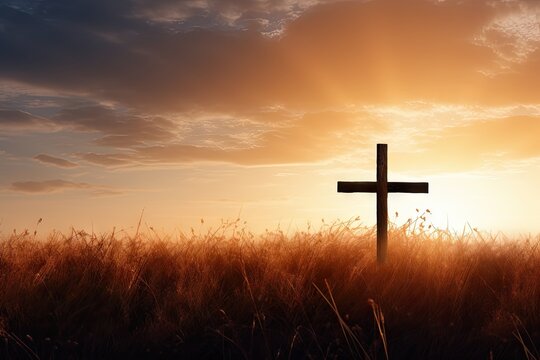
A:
[382,187]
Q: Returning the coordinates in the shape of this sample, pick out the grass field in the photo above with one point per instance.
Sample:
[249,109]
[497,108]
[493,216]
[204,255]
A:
[229,294]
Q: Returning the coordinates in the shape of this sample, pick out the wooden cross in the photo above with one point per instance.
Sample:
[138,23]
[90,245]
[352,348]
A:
[382,187]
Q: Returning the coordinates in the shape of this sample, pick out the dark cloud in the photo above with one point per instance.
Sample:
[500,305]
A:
[16,117]
[17,120]
[57,185]
[333,54]
[270,14]
[179,14]
[120,128]
[52,160]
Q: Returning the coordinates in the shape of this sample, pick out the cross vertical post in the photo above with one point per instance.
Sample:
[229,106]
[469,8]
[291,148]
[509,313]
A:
[382,202]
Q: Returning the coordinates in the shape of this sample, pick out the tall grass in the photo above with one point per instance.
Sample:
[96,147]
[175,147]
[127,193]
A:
[229,294]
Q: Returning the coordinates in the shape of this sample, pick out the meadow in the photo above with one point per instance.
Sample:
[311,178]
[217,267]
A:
[226,293]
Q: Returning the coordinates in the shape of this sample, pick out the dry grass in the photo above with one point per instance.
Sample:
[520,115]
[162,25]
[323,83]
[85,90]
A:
[229,294]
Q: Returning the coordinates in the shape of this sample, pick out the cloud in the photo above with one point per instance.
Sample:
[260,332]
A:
[268,16]
[174,82]
[13,120]
[312,137]
[120,128]
[52,160]
[47,186]
[233,14]
[478,144]
[50,186]
[15,117]
[514,34]
[329,55]
[108,160]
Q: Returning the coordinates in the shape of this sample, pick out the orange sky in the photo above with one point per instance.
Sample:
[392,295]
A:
[218,109]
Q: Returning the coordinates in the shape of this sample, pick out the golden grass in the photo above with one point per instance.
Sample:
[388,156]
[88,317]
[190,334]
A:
[230,294]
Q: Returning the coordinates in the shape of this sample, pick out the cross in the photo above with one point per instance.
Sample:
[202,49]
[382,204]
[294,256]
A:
[382,187]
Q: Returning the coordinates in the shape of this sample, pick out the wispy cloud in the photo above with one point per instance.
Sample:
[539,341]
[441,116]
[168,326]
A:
[57,185]
[514,34]
[52,160]
[108,160]
[17,120]
[311,137]
[267,16]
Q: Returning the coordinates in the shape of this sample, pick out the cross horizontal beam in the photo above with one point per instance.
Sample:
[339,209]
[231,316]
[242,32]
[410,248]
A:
[371,187]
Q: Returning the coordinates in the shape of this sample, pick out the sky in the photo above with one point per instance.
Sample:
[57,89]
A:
[226,109]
